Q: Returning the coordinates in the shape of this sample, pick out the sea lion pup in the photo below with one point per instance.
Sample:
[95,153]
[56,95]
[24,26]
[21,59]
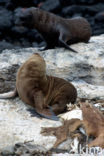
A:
[47,94]
[57,31]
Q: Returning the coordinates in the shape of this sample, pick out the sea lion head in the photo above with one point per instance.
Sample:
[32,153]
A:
[24,17]
[37,63]
[37,56]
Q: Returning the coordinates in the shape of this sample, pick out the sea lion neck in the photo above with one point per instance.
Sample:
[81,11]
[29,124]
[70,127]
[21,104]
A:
[37,17]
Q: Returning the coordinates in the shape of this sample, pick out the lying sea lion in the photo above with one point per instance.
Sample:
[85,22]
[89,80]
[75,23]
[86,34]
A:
[47,94]
[57,31]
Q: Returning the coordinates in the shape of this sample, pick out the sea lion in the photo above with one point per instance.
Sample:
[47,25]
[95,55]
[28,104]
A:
[47,94]
[57,31]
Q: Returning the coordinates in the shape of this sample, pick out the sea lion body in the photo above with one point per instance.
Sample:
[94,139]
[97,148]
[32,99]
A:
[41,91]
[29,78]
[57,31]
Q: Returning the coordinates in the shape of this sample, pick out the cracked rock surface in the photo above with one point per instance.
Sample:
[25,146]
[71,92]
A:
[84,69]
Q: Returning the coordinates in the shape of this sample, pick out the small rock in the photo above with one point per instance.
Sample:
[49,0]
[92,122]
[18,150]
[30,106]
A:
[9,150]
[51,6]
[99,17]
[19,31]
[6,18]
[6,45]
[71,10]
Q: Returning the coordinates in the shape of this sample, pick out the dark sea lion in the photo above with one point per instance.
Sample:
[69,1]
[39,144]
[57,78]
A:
[47,94]
[57,31]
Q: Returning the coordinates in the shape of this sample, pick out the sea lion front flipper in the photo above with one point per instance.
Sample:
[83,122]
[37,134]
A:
[62,42]
[9,95]
[45,112]
[48,114]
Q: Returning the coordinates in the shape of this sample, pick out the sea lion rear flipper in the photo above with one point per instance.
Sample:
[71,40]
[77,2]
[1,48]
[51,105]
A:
[41,109]
[62,42]
[9,95]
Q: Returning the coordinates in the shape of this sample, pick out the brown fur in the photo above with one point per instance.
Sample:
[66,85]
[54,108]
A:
[39,90]
[93,123]
[63,131]
[57,31]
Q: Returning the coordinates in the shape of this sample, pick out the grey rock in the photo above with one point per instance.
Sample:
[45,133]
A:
[85,69]
[51,5]
[5,18]
[6,45]
[8,150]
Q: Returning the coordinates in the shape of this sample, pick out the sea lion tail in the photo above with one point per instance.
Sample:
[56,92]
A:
[9,95]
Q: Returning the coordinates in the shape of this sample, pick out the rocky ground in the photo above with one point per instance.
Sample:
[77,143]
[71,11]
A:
[19,126]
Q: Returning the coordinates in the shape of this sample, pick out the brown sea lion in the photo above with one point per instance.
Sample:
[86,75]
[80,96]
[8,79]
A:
[57,31]
[47,94]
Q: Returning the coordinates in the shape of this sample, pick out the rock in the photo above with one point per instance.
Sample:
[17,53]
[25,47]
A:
[25,42]
[22,3]
[17,125]
[18,122]
[19,31]
[8,150]
[67,2]
[99,17]
[30,149]
[98,31]
[51,6]
[86,70]
[84,10]
[71,10]
[25,150]
[6,45]
[2,2]
[5,19]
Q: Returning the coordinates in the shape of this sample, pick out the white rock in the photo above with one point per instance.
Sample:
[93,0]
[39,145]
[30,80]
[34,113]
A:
[74,114]
[85,69]
[17,125]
